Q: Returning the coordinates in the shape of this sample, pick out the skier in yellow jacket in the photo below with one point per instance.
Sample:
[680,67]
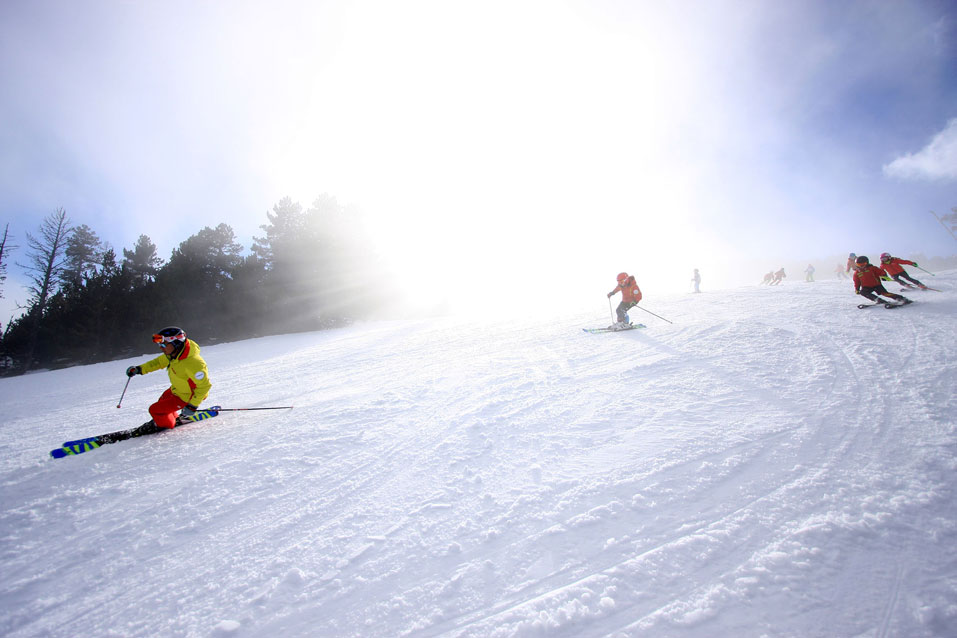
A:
[188,376]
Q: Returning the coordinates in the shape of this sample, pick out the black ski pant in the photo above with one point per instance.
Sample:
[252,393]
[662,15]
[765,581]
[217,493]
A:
[147,428]
[623,309]
[904,275]
[871,292]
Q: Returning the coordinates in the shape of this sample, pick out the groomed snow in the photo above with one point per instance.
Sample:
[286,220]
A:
[775,463]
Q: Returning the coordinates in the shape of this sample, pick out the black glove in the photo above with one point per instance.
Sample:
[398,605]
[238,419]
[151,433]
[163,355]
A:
[189,410]
[610,294]
[132,371]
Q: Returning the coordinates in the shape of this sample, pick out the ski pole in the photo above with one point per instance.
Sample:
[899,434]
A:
[926,271]
[610,311]
[651,313]
[943,224]
[219,409]
[120,402]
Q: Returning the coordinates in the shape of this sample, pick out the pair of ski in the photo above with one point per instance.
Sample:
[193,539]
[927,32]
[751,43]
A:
[631,326]
[72,448]
[887,305]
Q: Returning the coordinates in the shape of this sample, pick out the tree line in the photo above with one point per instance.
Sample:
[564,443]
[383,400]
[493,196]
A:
[313,269]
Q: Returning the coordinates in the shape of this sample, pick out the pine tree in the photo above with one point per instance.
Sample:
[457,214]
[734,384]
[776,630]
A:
[83,253]
[142,261]
[190,289]
[286,224]
[287,256]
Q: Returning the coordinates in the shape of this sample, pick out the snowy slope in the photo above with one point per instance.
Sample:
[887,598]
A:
[775,463]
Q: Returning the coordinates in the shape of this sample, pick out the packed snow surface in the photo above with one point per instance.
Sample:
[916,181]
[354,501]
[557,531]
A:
[775,462]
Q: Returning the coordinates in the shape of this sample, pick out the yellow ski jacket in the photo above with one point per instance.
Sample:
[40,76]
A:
[187,373]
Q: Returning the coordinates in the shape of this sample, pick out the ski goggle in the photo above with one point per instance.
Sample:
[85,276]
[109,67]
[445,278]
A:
[162,340]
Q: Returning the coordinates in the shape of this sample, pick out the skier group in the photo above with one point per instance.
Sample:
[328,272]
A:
[774,278]
[868,278]
[867,283]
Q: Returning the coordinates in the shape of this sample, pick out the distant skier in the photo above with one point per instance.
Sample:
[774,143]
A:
[697,280]
[840,272]
[768,277]
[809,273]
[188,376]
[778,277]
[895,270]
[851,263]
[867,282]
[630,296]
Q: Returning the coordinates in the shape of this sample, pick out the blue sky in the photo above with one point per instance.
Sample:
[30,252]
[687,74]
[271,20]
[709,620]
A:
[494,142]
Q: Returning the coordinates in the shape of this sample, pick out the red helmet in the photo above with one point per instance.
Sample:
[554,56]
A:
[622,276]
[885,256]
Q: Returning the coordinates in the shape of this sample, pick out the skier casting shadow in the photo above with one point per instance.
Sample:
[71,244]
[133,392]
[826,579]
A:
[189,380]
[630,296]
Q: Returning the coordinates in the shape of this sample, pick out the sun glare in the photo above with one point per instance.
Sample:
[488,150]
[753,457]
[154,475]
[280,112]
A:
[499,162]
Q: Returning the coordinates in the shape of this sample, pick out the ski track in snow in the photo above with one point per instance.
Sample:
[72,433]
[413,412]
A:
[775,463]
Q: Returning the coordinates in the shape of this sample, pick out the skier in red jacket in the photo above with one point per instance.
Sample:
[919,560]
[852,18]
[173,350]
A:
[892,266]
[630,296]
[867,283]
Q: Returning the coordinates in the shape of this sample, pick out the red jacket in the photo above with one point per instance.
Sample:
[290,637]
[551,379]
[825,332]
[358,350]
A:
[868,277]
[629,290]
[893,267]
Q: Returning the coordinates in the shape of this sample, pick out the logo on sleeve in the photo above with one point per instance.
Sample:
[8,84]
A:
[200,375]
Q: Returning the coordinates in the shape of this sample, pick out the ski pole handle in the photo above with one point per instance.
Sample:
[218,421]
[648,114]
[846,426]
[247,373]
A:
[120,402]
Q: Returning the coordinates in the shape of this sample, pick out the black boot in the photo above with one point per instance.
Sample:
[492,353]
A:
[147,428]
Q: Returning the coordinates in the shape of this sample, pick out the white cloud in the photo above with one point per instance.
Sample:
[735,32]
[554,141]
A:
[937,160]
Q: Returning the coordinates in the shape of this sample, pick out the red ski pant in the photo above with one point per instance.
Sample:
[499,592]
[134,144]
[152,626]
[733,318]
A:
[165,409]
